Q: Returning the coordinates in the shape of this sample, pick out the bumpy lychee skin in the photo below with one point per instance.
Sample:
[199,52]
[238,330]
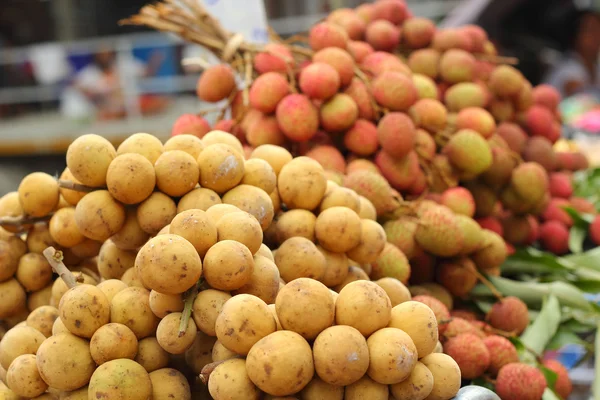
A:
[425,61]
[348,20]
[267,91]
[326,34]
[439,233]
[506,81]
[298,118]
[492,252]
[539,121]
[429,114]
[426,87]
[190,124]
[563,385]
[595,230]
[514,136]
[417,32]
[502,110]
[459,200]
[445,39]
[359,50]
[554,237]
[555,212]
[215,83]
[472,237]
[319,81]
[394,90]
[463,95]
[338,113]
[361,164]
[401,233]
[509,314]
[469,352]
[442,315]
[517,381]
[392,262]
[275,58]
[380,62]
[491,224]
[382,35]
[329,157]
[362,97]
[339,59]
[469,152]
[477,119]
[424,144]
[400,172]
[458,326]
[530,182]
[560,185]
[478,37]
[499,173]
[457,276]
[374,187]
[390,10]
[516,229]
[547,96]
[265,130]
[502,352]
[396,134]
[361,138]
[457,66]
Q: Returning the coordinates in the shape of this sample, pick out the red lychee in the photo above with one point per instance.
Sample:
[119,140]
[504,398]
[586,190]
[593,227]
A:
[457,66]
[491,224]
[554,237]
[502,352]
[560,185]
[457,276]
[359,50]
[378,62]
[539,121]
[366,12]
[326,34]
[509,314]
[359,164]
[555,212]
[348,20]
[361,138]
[582,205]
[445,39]
[267,91]
[215,83]
[298,118]
[547,96]
[394,11]
[563,385]
[275,58]
[518,381]
[382,35]
[329,157]
[265,130]
[439,309]
[457,326]
[459,200]
[225,125]
[394,90]
[514,136]
[319,81]
[417,32]
[339,59]
[477,119]
[470,353]
[400,172]
[338,113]
[429,114]
[396,134]
[425,62]
[361,96]
[595,230]
[478,37]
[190,124]
[424,144]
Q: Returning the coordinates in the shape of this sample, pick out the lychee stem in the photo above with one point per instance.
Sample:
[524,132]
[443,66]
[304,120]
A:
[485,281]
[55,258]
[78,187]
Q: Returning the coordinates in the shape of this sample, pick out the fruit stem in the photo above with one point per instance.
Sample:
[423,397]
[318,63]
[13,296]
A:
[247,78]
[55,258]
[486,282]
[78,187]
[23,220]
[208,369]
[189,296]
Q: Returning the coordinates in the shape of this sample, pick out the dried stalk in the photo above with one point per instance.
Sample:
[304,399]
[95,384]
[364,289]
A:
[23,220]
[55,258]
[78,187]
[486,282]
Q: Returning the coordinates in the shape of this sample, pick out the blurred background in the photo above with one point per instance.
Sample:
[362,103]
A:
[67,67]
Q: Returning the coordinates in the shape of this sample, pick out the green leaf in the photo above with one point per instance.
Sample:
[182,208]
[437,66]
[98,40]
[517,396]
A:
[532,261]
[484,383]
[577,236]
[550,395]
[589,259]
[550,376]
[576,326]
[538,334]
[596,384]
[588,286]
[563,337]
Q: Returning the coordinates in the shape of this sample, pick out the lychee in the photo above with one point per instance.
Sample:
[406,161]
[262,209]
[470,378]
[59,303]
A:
[424,144]
[419,185]
[438,232]
[394,11]
[464,314]
[339,59]
[502,110]
[506,81]
[298,118]
[338,113]
[275,58]
[516,229]
[445,39]
[437,291]
[361,96]
[215,83]
[595,230]
[396,134]
[502,352]
[499,173]
[380,61]
[361,138]
[426,87]
[514,136]
[267,91]
[524,99]
[463,95]
[429,114]
[360,164]
[374,187]
[400,172]
[509,314]
[439,309]
[329,157]
[225,125]
[190,124]
[422,267]
[555,211]
[582,205]
[470,353]
[459,200]
[265,131]
[425,61]
[571,161]
[529,182]
[477,119]
[472,238]
[468,151]
[457,276]
[554,237]
[485,199]
[392,262]
[349,21]
[458,326]
[249,119]
[359,50]
[382,35]
[319,81]
[539,121]
[491,224]
[547,96]
[457,66]
[401,233]
[492,252]
[563,385]
[518,381]
[325,34]
[443,175]
[478,37]
[366,12]
[394,90]
[417,32]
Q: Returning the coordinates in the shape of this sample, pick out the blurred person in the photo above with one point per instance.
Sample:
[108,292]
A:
[579,71]
[97,88]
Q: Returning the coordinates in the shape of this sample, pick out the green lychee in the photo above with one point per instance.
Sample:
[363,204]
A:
[469,151]
[391,263]
[439,233]
[492,252]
